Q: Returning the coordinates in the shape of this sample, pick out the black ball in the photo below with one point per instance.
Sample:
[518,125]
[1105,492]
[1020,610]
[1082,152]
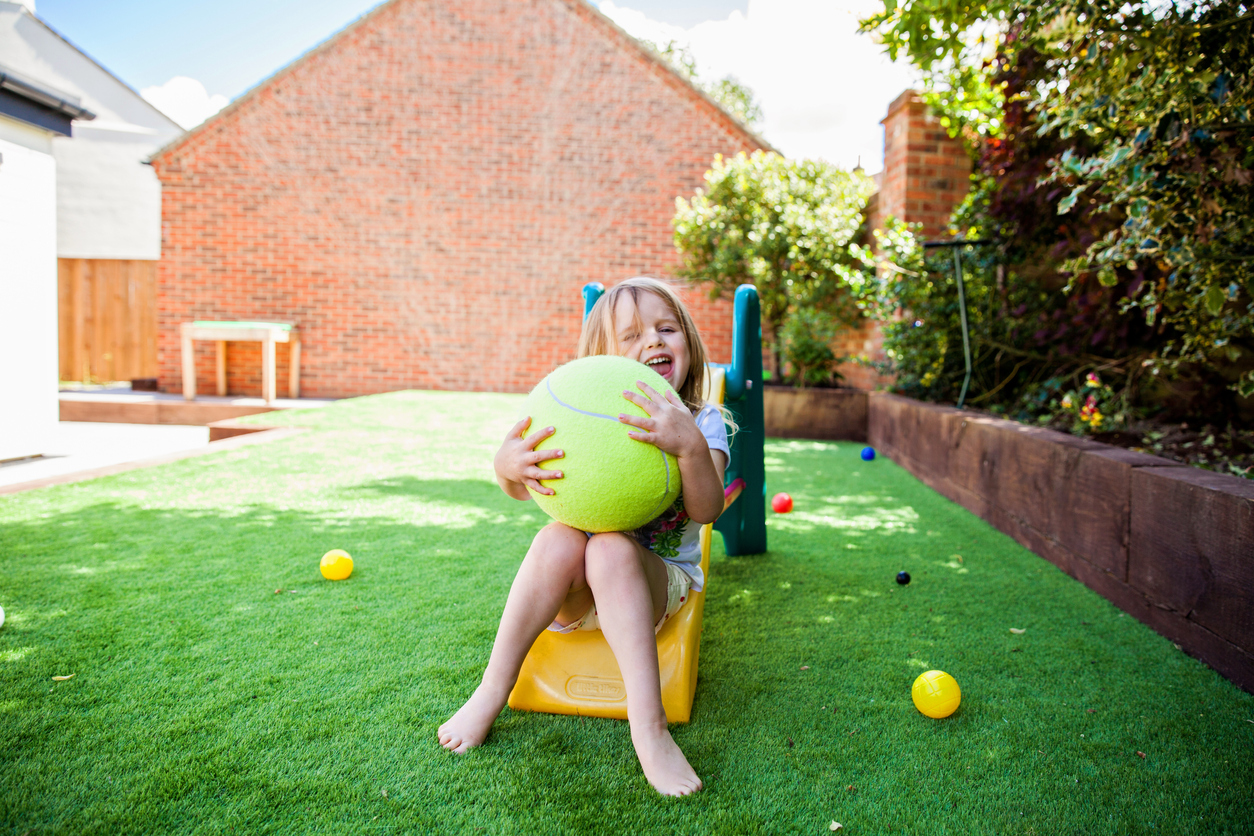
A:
[903,578]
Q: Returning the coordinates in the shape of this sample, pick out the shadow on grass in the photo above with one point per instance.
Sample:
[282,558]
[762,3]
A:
[220,681]
[471,492]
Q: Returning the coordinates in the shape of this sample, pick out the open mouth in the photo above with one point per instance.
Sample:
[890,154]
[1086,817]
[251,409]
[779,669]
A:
[661,365]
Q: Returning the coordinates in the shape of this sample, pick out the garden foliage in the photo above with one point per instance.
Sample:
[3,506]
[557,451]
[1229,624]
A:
[730,93]
[1114,147]
[785,226]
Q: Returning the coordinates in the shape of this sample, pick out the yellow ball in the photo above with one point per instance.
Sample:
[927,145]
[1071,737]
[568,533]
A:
[336,565]
[936,694]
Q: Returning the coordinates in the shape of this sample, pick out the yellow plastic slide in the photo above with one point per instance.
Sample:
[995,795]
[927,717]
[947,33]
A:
[576,673]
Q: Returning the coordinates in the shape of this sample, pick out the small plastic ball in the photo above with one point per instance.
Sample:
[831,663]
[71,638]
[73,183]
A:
[903,578]
[868,454]
[336,565]
[781,503]
[936,694]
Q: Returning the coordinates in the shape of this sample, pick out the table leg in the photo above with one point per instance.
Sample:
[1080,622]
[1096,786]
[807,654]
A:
[293,380]
[267,368]
[221,368]
[189,367]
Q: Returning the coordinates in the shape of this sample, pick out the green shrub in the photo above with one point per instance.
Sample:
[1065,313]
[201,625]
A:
[808,338]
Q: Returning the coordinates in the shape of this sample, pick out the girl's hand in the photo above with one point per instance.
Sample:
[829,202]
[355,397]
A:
[669,425]
[517,462]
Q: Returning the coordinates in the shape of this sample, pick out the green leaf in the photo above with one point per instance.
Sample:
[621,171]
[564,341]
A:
[1214,300]
[1064,205]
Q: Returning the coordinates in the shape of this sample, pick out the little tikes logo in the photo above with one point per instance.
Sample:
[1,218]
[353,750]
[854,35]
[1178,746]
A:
[596,688]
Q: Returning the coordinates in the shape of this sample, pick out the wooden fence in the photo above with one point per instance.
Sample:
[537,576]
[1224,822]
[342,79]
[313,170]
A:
[108,318]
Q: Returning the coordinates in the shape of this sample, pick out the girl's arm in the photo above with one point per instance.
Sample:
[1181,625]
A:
[672,428]
[517,462]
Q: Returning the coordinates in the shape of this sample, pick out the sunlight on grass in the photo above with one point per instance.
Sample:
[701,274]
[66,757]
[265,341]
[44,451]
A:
[222,685]
[836,517]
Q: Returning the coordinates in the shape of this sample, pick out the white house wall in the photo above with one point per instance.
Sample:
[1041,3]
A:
[109,200]
[28,290]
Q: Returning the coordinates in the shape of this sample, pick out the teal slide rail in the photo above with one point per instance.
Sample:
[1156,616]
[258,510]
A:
[743,525]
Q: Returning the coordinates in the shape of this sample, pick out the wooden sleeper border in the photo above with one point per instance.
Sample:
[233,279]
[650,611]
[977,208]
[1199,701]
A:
[1168,543]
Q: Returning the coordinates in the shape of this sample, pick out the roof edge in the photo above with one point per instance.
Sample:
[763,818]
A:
[330,41]
[252,92]
[661,62]
[102,67]
[44,95]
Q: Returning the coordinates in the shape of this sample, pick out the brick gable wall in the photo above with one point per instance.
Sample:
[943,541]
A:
[425,194]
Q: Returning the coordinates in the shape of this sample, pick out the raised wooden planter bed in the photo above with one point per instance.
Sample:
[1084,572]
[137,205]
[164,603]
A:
[815,413]
[1170,544]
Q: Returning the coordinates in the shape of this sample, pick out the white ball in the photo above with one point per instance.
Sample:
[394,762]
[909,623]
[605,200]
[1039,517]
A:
[1,616]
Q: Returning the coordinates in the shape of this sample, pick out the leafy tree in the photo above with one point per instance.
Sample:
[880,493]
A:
[1135,115]
[784,225]
[734,97]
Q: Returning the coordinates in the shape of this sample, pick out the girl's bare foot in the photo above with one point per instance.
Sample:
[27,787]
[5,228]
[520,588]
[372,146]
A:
[664,764]
[469,726]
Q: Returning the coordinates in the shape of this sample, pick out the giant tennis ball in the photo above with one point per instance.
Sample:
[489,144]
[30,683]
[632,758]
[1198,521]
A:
[611,482]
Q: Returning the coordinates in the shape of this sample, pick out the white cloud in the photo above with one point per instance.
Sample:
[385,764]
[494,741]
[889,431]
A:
[185,100]
[823,87]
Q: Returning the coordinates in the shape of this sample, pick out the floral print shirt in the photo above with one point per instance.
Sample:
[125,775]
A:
[672,536]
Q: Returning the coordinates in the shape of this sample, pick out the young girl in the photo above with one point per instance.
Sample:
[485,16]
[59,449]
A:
[624,584]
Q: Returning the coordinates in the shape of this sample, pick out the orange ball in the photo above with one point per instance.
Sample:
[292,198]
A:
[936,694]
[336,565]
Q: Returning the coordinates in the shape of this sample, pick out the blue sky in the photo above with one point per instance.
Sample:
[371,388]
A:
[227,45]
[230,45]
[823,87]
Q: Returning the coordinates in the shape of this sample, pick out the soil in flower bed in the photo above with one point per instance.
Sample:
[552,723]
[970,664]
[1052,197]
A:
[1223,450]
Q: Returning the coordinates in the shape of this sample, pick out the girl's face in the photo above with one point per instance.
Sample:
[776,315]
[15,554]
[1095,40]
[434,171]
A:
[657,340]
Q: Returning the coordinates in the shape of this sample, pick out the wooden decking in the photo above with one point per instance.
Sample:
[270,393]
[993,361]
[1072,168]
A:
[122,406]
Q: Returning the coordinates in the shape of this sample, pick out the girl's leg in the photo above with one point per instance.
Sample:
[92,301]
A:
[549,585]
[629,584]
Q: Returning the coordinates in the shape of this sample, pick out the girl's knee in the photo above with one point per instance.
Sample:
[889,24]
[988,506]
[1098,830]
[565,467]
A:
[561,533]
[560,545]
[611,547]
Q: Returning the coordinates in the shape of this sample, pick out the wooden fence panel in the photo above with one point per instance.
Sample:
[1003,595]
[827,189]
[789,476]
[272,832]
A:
[108,318]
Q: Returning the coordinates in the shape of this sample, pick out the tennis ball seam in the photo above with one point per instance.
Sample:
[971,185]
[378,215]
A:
[666,465]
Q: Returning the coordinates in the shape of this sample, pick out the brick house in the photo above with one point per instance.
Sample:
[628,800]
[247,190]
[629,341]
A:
[425,193]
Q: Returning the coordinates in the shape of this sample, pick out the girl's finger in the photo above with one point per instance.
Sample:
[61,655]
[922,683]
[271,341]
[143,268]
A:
[537,487]
[538,436]
[537,456]
[648,390]
[519,429]
[538,474]
[640,401]
[637,421]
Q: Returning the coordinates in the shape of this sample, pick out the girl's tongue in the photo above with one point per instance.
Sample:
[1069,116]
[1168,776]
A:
[663,368]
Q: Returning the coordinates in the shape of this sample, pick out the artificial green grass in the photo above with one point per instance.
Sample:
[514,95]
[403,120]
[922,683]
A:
[220,685]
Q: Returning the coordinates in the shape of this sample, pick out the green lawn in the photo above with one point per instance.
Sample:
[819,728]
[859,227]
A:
[220,685]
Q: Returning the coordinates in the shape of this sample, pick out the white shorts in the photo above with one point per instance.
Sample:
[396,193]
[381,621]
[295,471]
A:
[678,591]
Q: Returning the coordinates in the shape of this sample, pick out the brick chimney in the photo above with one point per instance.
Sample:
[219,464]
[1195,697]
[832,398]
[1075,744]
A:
[926,174]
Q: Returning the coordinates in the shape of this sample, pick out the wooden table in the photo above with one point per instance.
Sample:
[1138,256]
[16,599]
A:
[267,333]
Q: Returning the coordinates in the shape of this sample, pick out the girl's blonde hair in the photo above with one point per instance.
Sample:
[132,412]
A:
[599,335]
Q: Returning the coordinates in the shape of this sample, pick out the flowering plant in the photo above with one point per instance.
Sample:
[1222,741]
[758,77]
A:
[1093,408]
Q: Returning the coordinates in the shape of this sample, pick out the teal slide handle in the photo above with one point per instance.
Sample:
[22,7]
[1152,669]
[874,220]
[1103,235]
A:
[743,525]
